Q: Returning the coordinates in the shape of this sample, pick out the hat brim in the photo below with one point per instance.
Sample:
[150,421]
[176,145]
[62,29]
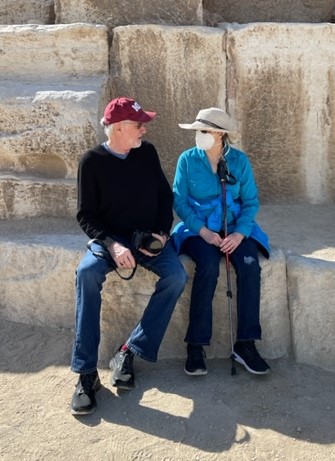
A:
[143,116]
[200,126]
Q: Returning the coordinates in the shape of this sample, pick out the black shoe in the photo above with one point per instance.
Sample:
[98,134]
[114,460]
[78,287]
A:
[247,355]
[83,400]
[195,365]
[123,371]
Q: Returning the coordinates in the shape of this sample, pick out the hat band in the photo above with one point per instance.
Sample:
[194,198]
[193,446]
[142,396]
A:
[209,123]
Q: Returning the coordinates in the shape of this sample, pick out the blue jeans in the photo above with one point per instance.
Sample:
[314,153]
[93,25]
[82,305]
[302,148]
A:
[248,278]
[147,336]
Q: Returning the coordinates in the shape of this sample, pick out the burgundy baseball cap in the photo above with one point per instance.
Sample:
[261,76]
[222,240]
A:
[122,108]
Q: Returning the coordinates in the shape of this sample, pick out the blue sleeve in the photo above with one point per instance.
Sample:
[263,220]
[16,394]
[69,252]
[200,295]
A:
[248,197]
[181,192]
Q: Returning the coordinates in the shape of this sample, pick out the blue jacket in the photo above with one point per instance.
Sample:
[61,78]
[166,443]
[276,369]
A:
[198,198]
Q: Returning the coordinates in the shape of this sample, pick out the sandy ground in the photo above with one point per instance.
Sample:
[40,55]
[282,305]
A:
[169,416]
[289,415]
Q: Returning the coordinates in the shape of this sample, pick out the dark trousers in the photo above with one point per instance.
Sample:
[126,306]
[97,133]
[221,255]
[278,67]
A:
[248,278]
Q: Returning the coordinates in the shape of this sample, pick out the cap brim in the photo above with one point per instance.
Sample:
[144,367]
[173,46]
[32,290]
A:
[144,116]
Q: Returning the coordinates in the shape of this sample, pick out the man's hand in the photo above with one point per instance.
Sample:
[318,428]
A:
[162,238]
[231,242]
[121,255]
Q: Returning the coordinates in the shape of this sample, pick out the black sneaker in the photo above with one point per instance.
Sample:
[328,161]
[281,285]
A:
[123,371]
[195,365]
[247,355]
[83,400]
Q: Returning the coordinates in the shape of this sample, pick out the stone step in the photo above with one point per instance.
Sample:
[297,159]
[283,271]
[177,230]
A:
[53,52]
[25,197]
[37,273]
[192,12]
[44,130]
[27,12]
[38,258]
[118,13]
[53,88]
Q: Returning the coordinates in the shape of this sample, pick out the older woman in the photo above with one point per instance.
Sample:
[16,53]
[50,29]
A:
[203,235]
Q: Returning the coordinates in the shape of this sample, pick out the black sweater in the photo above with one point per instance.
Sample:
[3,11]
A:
[119,196]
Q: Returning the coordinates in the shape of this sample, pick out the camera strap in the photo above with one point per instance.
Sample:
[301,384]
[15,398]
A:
[105,254]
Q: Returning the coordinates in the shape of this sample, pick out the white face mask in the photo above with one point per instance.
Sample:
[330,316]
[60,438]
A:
[204,140]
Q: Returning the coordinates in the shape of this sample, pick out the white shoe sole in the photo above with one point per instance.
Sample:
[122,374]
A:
[239,360]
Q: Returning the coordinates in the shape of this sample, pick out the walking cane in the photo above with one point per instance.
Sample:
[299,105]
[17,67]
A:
[226,177]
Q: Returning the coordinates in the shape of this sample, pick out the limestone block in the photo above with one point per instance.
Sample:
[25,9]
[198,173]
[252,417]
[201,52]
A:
[22,197]
[37,52]
[311,289]
[125,12]
[37,276]
[27,11]
[246,11]
[281,87]
[46,128]
[124,302]
[37,279]
[173,70]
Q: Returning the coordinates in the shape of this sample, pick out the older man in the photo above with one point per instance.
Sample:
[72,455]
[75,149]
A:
[122,192]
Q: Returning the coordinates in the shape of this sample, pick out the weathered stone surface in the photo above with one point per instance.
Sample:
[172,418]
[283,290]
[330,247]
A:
[245,11]
[281,87]
[37,287]
[174,71]
[36,52]
[117,13]
[27,11]
[22,197]
[311,289]
[45,128]
[53,88]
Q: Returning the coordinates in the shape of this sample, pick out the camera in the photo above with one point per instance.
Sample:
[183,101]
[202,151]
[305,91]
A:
[145,241]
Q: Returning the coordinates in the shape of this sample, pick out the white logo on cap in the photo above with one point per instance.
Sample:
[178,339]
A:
[136,106]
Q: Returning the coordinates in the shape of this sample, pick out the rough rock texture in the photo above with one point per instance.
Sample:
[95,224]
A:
[53,89]
[281,86]
[268,76]
[37,53]
[311,290]
[176,72]
[244,11]
[117,13]
[40,261]
[27,11]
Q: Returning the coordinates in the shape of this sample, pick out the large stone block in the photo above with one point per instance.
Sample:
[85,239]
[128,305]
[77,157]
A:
[44,131]
[117,13]
[37,52]
[311,290]
[37,276]
[173,70]
[27,11]
[45,128]
[23,197]
[281,92]
[246,11]
[124,302]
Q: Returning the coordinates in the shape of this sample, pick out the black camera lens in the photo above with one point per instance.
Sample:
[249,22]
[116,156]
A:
[152,244]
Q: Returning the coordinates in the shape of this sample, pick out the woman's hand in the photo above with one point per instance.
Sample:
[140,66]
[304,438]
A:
[213,238]
[231,242]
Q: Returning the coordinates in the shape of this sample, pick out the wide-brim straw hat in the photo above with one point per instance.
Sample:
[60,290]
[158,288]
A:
[213,119]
